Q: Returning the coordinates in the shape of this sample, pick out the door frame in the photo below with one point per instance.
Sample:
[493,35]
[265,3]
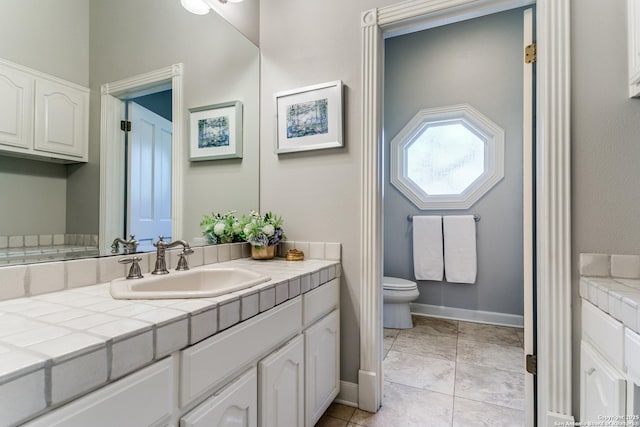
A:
[553,220]
[112,164]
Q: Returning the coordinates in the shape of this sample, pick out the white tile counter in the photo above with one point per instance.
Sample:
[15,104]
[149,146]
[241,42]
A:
[57,346]
[620,298]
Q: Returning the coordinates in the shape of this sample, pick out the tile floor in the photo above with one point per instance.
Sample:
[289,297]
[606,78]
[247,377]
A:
[446,373]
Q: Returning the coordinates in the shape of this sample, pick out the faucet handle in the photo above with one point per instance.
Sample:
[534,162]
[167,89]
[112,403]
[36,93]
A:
[134,271]
[182,261]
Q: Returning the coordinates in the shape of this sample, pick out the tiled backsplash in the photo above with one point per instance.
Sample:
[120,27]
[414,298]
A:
[604,265]
[35,240]
[18,281]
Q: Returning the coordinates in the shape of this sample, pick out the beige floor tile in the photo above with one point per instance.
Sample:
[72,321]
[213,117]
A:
[488,333]
[504,357]
[408,407]
[424,372]
[327,421]
[471,413]
[343,412]
[441,346]
[435,326]
[520,333]
[484,384]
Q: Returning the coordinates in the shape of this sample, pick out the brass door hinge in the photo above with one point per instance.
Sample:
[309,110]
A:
[532,364]
[530,53]
[125,125]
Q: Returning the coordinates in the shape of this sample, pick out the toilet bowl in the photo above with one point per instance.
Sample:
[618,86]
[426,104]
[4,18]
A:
[396,295]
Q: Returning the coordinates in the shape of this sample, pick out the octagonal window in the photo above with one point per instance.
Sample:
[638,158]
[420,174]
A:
[447,158]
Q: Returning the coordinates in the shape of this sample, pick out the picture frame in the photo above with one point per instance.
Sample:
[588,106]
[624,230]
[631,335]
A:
[309,118]
[216,131]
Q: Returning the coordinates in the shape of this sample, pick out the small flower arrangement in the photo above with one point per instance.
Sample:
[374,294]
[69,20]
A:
[225,228]
[262,230]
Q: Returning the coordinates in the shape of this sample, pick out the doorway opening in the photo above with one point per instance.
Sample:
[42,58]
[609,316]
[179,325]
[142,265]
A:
[115,157]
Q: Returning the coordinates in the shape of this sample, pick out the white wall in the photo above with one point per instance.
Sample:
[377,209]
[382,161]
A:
[318,192]
[605,143]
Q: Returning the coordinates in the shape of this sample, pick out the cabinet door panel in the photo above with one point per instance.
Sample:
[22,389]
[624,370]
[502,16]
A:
[60,122]
[234,406]
[322,366]
[602,388]
[16,108]
[281,378]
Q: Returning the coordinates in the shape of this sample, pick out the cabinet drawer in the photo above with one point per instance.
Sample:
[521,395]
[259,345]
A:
[141,399]
[604,333]
[211,361]
[320,301]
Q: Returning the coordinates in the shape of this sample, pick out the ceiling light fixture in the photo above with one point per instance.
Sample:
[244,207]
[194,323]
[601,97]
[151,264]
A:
[198,7]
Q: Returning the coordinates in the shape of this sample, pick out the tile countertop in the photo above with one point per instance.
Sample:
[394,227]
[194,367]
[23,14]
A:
[618,297]
[57,346]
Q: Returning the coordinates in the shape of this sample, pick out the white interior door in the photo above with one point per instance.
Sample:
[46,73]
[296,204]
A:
[149,175]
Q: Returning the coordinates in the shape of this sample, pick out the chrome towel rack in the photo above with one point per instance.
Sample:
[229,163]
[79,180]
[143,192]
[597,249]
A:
[476,218]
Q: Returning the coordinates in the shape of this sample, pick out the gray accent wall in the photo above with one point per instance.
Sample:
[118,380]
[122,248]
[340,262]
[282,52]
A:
[478,62]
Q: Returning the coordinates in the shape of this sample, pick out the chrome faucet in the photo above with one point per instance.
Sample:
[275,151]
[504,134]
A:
[161,262]
[130,246]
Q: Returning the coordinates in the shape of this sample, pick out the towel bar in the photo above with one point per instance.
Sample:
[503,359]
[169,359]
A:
[476,218]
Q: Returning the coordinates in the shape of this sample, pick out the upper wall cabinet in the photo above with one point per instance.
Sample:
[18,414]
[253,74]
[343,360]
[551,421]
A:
[633,28]
[42,117]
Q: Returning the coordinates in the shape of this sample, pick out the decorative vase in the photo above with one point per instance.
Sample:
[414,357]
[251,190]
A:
[263,252]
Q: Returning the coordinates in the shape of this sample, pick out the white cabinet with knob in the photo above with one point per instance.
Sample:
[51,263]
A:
[42,117]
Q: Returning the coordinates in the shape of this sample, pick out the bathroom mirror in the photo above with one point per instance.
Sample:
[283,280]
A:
[94,42]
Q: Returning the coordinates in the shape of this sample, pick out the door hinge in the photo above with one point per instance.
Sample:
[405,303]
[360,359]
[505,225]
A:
[125,125]
[532,364]
[530,53]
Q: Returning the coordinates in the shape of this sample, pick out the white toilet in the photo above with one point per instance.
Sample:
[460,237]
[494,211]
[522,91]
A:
[396,295]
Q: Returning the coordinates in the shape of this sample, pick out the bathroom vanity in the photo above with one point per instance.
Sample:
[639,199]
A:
[267,355]
[610,345]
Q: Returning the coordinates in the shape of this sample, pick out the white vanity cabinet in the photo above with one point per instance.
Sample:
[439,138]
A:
[42,117]
[236,405]
[281,386]
[633,41]
[602,382]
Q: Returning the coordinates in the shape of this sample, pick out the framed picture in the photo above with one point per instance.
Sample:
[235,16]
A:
[309,118]
[216,131]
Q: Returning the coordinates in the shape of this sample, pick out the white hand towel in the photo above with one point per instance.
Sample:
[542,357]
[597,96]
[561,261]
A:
[460,263]
[427,247]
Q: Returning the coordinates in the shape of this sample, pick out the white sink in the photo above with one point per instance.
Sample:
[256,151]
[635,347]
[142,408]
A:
[199,283]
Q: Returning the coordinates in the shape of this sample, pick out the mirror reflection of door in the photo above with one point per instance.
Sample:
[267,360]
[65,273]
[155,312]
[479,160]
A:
[148,212]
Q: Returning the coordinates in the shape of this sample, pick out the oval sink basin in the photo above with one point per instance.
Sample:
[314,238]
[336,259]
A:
[187,284]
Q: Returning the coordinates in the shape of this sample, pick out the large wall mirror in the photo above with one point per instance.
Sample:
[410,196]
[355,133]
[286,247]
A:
[94,42]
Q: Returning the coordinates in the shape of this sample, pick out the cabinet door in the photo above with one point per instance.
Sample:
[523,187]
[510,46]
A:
[281,382]
[16,108]
[602,388]
[322,366]
[236,405]
[633,28]
[61,119]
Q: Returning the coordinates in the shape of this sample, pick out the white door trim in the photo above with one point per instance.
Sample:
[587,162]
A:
[112,149]
[553,219]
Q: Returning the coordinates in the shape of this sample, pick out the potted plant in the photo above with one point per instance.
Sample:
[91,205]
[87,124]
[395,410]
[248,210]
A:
[263,232]
[217,228]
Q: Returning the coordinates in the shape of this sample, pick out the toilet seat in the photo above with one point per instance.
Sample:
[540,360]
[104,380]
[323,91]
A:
[397,284]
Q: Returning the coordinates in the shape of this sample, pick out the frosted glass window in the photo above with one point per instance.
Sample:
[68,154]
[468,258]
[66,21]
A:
[447,157]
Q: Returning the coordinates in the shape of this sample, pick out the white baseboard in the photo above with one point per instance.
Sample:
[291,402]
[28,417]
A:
[348,394]
[555,419]
[493,318]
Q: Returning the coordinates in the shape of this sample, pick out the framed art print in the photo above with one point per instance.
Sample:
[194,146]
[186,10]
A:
[309,118]
[216,131]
